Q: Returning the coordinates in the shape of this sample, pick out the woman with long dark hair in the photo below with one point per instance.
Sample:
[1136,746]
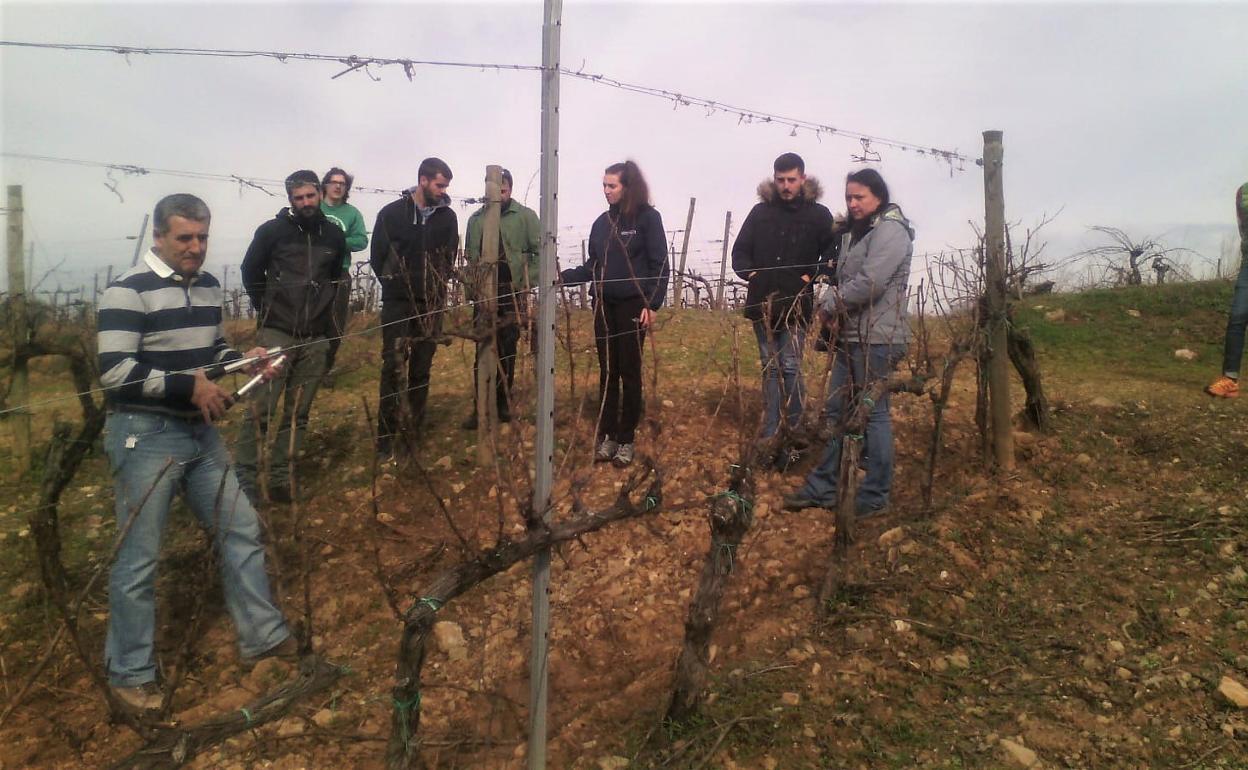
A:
[627,270]
[867,311]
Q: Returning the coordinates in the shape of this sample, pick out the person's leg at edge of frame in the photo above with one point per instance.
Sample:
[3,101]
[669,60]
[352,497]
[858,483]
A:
[420,368]
[820,485]
[388,388]
[768,357]
[254,431]
[873,493]
[508,340]
[791,366]
[608,372]
[632,345]
[1227,385]
[138,446]
[342,311]
[306,375]
[226,513]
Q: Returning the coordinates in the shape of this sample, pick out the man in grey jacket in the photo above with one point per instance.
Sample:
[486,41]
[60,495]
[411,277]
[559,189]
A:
[868,307]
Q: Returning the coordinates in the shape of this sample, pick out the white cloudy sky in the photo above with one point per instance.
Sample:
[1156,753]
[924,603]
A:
[1125,114]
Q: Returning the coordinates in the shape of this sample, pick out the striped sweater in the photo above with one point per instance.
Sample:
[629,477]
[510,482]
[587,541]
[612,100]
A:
[155,329]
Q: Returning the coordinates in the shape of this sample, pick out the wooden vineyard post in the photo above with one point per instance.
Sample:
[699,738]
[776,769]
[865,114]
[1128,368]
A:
[487,306]
[684,253]
[995,290]
[19,392]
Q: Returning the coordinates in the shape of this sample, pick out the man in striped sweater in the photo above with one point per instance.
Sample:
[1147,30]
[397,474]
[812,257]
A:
[159,326]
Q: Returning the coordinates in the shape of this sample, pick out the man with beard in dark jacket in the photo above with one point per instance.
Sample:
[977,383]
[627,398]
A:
[413,252]
[785,241]
[290,272]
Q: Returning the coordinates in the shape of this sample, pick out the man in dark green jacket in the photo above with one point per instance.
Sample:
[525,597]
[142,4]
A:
[520,235]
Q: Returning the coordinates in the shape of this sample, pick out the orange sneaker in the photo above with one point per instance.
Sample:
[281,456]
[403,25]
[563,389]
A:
[1223,387]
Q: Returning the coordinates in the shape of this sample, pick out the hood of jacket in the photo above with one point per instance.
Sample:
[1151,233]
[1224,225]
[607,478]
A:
[313,224]
[890,213]
[443,200]
[812,191]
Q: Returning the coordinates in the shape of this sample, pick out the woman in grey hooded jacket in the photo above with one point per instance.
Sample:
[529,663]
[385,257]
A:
[868,307]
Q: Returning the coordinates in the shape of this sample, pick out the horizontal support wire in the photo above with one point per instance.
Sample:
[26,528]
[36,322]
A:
[353,62]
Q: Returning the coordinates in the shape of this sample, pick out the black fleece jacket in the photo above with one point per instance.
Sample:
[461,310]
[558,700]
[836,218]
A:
[291,273]
[779,242]
[627,258]
[412,252]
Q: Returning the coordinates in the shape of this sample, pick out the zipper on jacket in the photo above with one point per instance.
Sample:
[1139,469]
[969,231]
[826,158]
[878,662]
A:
[307,300]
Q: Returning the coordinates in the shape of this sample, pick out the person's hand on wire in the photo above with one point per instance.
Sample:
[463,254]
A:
[266,365]
[646,318]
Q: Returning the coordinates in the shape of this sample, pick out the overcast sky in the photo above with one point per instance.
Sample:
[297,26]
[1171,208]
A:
[1132,115]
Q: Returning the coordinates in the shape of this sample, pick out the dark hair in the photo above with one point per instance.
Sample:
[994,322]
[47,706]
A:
[870,179]
[182,205]
[636,192]
[301,178]
[788,162]
[431,167]
[333,171]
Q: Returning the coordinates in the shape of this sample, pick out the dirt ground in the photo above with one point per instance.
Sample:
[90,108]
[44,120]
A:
[1081,612]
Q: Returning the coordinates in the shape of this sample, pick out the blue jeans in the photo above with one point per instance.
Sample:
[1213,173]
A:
[780,353]
[139,445]
[870,363]
[1233,353]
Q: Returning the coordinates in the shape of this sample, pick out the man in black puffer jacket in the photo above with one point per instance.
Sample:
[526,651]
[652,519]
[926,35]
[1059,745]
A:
[784,243]
[413,253]
[291,273]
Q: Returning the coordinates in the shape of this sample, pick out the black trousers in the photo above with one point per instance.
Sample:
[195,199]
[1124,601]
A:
[342,308]
[620,340]
[407,349]
[507,339]
[513,316]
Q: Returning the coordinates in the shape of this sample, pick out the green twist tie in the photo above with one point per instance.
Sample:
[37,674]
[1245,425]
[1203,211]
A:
[247,716]
[650,503]
[727,548]
[746,505]
[405,710]
[854,436]
[869,402]
[431,602]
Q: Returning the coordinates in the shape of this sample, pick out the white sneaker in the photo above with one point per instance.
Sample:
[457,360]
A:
[606,451]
